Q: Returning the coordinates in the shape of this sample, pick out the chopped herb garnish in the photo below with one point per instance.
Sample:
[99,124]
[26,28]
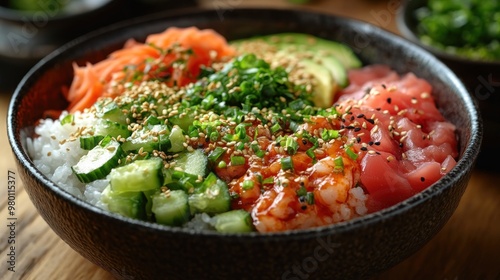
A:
[247,185]
[291,145]
[302,191]
[68,119]
[237,160]
[339,164]
[269,180]
[275,128]
[216,154]
[351,153]
[329,134]
[286,163]
[222,164]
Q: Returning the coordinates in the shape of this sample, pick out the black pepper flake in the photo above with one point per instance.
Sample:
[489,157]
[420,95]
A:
[370,143]
[364,149]
[304,141]
[360,116]
[356,129]
[383,85]
[377,143]
[378,153]
[422,179]
[358,139]
[401,145]
[352,118]
[389,100]
[350,127]
[303,207]
[372,121]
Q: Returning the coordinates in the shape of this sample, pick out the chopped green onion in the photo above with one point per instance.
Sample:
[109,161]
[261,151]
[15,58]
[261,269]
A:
[247,185]
[237,160]
[287,163]
[68,119]
[216,154]
[310,198]
[351,153]
[193,131]
[240,146]
[256,149]
[339,164]
[241,133]
[228,137]
[214,136]
[302,191]
[291,145]
[294,126]
[269,180]
[222,164]
[275,128]
[310,153]
[329,134]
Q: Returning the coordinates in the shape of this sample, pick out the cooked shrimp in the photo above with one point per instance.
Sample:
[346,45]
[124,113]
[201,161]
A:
[323,194]
[286,190]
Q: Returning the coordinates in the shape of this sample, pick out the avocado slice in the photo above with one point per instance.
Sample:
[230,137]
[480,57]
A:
[325,86]
[306,42]
[338,72]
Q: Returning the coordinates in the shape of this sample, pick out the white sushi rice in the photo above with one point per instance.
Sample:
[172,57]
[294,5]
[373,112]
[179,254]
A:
[55,151]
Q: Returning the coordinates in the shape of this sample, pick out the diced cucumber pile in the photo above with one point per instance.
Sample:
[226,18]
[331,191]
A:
[143,187]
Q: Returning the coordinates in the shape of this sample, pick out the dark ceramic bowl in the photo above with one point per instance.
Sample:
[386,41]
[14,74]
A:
[481,78]
[133,249]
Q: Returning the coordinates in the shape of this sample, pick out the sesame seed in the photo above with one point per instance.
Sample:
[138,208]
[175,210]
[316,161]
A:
[425,95]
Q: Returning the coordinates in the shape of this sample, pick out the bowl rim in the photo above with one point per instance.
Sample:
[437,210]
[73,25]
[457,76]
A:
[406,31]
[470,149]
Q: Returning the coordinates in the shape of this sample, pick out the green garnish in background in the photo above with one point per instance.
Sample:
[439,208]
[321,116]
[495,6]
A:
[38,5]
[469,28]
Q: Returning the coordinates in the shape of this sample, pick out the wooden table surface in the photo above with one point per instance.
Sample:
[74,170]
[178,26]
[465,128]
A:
[468,247]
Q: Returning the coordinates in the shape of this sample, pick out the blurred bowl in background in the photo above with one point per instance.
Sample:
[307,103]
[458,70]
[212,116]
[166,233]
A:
[26,36]
[481,77]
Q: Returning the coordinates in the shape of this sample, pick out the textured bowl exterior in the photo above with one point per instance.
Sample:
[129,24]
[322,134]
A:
[357,249]
[481,78]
